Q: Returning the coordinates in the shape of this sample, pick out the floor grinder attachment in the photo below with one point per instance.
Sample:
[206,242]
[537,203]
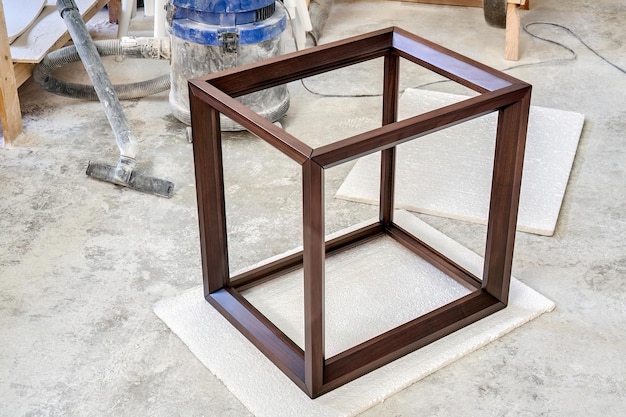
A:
[127,177]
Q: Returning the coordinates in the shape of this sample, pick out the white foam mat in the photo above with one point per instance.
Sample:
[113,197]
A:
[266,391]
[448,173]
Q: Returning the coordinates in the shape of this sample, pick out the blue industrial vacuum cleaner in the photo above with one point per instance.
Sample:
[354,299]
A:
[208,36]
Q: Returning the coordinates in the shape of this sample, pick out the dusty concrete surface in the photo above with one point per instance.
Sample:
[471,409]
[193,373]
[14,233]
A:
[83,262]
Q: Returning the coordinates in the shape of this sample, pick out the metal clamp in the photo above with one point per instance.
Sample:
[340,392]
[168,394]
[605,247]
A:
[230,41]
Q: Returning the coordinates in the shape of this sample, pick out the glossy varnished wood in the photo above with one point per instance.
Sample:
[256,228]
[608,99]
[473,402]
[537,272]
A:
[505,192]
[288,263]
[441,262]
[394,134]
[297,65]
[268,338]
[388,156]
[408,337]
[210,195]
[215,93]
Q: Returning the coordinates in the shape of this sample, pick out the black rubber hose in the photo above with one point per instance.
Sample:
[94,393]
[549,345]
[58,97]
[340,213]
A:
[57,59]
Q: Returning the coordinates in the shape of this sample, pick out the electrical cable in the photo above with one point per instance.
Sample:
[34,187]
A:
[576,36]
[573,56]
[293,35]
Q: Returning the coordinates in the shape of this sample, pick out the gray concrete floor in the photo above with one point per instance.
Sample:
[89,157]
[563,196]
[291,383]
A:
[83,262]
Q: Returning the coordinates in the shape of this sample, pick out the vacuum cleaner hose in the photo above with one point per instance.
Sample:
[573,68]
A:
[148,48]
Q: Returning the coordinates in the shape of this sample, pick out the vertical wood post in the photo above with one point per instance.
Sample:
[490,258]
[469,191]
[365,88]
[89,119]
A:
[511,36]
[314,256]
[115,7]
[505,190]
[388,156]
[207,151]
[10,111]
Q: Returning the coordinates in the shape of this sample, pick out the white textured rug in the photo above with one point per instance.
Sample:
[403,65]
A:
[448,173]
[265,391]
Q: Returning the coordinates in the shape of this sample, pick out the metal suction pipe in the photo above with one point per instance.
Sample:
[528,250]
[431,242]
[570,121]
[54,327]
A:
[126,141]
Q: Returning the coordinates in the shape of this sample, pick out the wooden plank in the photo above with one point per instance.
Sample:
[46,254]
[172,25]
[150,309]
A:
[10,113]
[511,38]
[22,72]
[452,65]
[266,336]
[283,69]
[388,156]
[256,124]
[115,8]
[15,69]
[314,266]
[20,15]
[505,190]
[436,259]
[293,261]
[210,183]
[466,3]
[406,338]
[385,137]
[49,31]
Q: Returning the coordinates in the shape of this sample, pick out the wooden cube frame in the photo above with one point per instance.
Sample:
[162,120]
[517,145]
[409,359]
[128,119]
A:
[214,94]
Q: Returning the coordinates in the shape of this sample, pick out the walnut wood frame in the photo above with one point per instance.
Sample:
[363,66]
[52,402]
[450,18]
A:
[214,94]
